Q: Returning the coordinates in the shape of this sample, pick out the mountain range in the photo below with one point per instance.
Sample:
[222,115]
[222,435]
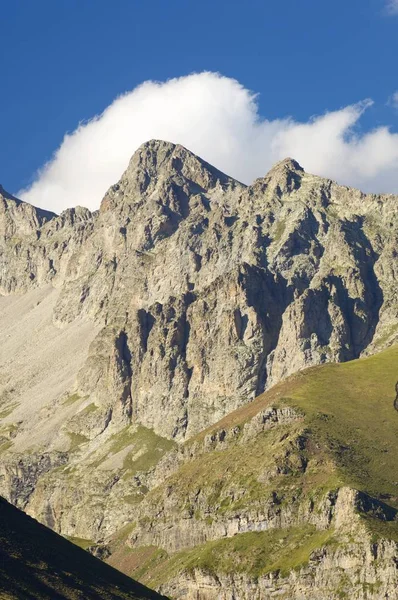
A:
[197,381]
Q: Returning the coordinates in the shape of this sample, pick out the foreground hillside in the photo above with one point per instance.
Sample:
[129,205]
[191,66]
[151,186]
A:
[36,563]
[293,496]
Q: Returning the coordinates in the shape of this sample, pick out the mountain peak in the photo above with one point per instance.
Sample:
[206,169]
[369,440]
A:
[158,145]
[164,159]
[7,195]
[157,164]
[285,176]
[21,214]
[287,164]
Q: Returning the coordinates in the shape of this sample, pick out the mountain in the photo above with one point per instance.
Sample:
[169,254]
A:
[129,331]
[37,563]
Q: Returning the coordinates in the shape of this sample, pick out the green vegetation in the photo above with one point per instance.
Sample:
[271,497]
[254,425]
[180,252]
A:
[76,440]
[90,408]
[146,450]
[140,562]
[8,429]
[8,410]
[221,473]
[349,414]
[350,409]
[382,529]
[123,533]
[71,399]
[135,499]
[279,231]
[254,553]
[7,432]
[5,445]
[345,434]
[81,542]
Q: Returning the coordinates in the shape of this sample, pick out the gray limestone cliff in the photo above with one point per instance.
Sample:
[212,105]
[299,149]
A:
[207,292]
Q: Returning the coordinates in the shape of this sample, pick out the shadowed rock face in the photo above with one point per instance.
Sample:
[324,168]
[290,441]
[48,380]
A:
[186,295]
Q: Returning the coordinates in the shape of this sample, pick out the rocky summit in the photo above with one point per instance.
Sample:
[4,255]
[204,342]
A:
[156,404]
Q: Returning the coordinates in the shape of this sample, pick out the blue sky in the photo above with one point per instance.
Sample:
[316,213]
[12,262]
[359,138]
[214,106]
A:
[64,61]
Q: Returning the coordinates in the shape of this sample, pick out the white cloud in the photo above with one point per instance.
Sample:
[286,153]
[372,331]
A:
[218,119]
[392,7]
[393,100]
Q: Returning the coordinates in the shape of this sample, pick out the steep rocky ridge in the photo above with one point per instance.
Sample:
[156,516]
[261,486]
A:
[184,297]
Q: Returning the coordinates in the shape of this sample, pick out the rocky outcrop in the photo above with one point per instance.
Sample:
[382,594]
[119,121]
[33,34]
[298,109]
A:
[21,476]
[363,570]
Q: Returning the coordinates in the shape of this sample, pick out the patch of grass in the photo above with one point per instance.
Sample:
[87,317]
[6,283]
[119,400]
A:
[361,424]
[123,533]
[76,440]
[239,475]
[382,529]
[254,553]
[279,231]
[81,542]
[5,412]
[332,212]
[5,445]
[135,499]
[90,408]
[349,412]
[138,562]
[71,399]
[8,429]
[147,448]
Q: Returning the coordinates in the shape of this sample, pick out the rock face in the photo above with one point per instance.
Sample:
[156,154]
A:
[362,570]
[131,329]
[207,291]
[363,577]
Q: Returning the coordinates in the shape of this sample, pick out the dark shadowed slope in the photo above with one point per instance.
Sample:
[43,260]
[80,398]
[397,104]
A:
[36,563]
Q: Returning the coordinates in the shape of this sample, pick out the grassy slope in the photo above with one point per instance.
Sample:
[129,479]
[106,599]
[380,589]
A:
[253,553]
[37,563]
[352,425]
[349,408]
